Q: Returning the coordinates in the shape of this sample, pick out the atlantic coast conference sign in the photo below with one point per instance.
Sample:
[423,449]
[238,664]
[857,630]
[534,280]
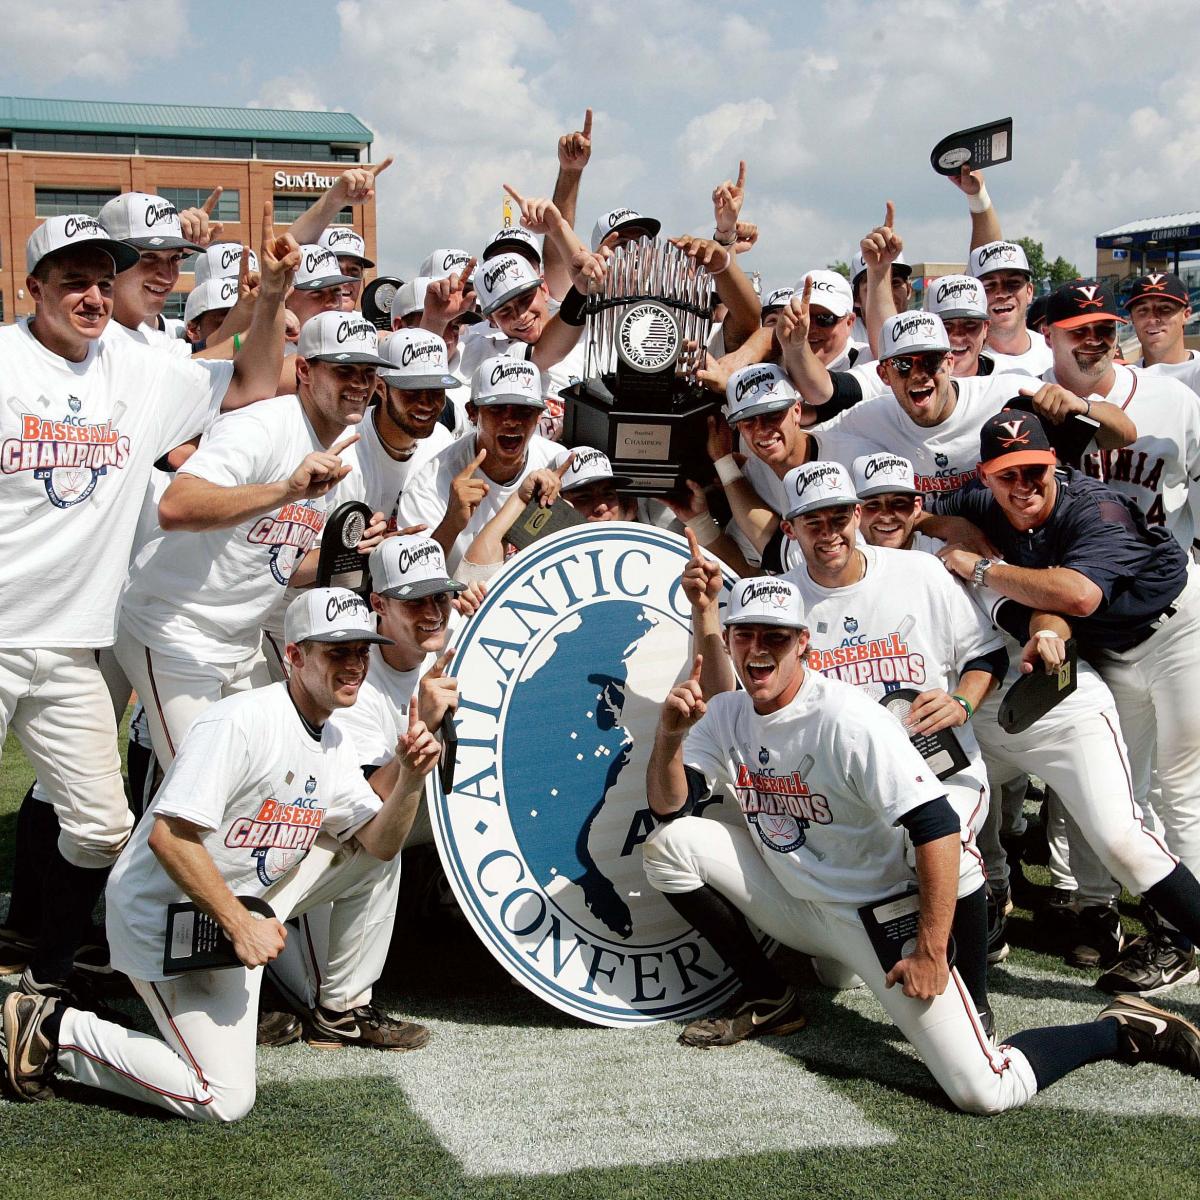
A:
[561,674]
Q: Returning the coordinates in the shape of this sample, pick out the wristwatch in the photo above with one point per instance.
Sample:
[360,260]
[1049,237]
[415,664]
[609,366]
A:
[982,567]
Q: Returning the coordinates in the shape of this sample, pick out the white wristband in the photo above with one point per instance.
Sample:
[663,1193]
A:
[704,525]
[1041,633]
[728,261]
[727,469]
[981,202]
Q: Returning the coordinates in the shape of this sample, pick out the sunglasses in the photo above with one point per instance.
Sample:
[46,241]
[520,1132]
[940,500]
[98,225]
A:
[823,320]
[900,505]
[931,362]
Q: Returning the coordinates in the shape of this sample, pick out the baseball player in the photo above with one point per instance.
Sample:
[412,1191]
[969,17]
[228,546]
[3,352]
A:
[351,251]
[1159,307]
[763,408]
[265,800]
[1003,269]
[933,420]
[1158,469]
[318,284]
[457,492]
[76,455]
[845,825]
[1075,547]
[330,969]
[238,522]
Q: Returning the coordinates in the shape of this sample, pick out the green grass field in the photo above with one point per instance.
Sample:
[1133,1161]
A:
[512,1098]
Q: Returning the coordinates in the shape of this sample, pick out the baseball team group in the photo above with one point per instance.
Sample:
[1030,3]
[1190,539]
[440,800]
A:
[922,506]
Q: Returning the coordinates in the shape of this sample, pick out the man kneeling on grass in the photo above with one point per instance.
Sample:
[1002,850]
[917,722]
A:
[829,786]
[265,800]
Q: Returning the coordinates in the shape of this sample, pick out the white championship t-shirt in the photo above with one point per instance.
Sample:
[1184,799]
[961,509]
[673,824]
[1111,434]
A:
[821,785]
[205,594]
[1187,372]
[77,444]
[945,457]
[262,788]
[427,495]
[1034,361]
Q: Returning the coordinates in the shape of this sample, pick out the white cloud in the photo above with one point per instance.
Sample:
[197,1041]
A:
[51,41]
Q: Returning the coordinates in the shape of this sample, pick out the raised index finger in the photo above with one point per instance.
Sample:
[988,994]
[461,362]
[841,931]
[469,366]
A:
[512,191]
[379,168]
[268,230]
[475,463]
[693,543]
[741,179]
[889,216]
[565,466]
[346,441]
[587,123]
[211,203]
[696,665]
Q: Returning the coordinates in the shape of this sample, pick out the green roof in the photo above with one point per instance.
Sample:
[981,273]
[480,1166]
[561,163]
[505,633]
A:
[182,120]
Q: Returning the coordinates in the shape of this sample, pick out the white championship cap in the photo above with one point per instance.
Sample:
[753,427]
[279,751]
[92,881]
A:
[516,239]
[340,337]
[344,241]
[502,279]
[441,264]
[146,222]
[212,293]
[411,566]
[416,359]
[818,485]
[765,600]
[998,256]
[318,270]
[503,380]
[957,297]
[330,615]
[910,333]
[875,474]
[590,466]
[777,299]
[757,389]
[900,267]
[75,229]
[829,291]
[623,220]
[220,260]
[410,298]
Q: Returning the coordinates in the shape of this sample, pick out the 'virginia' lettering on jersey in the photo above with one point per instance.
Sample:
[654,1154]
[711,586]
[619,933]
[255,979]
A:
[1134,467]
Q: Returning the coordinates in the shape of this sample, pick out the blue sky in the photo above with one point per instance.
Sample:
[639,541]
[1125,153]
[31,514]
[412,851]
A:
[835,107]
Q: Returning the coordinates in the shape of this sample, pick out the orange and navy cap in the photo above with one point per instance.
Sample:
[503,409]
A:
[1159,286]
[1013,438]
[1080,303]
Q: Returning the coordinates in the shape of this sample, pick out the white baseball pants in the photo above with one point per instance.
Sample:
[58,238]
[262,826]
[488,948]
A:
[684,854]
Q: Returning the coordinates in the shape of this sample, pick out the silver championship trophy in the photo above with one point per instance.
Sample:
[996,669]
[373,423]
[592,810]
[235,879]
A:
[639,401]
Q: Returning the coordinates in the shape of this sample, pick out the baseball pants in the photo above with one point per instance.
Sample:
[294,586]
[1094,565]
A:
[203,1067]
[57,704]
[1086,766]
[684,854]
[176,690]
[1154,686]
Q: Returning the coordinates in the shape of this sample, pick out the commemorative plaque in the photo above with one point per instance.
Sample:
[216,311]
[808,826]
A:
[639,401]
[940,750]
[339,563]
[1034,695]
[377,300]
[195,942]
[982,146]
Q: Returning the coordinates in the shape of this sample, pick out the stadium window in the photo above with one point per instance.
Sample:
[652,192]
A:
[304,151]
[229,206]
[57,202]
[194,147]
[291,207]
[70,142]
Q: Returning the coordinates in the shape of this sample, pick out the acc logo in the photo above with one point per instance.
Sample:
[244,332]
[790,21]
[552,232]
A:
[648,338]
[74,403]
[941,459]
[562,672]
[851,624]
[310,785]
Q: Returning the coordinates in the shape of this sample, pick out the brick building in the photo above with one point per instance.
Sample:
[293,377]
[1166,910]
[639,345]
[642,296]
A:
[63,156]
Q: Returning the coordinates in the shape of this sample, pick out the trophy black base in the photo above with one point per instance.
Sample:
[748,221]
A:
[656,448]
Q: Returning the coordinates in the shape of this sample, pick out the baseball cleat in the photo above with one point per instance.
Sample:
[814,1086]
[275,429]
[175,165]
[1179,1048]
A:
[29,1055]
[1150,1034]
[15,950]
[997,936]
[748,1019]
[278,1029]
[1150,964]
[365,1026]
[1100,939]
[76,991]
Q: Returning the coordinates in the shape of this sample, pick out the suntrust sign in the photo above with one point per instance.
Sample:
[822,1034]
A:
[310,181]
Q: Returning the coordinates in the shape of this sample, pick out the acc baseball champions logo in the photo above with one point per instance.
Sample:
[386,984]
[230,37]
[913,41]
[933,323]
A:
[279,835]
[68,456]
[562,674]
[780,808]
[290,533]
